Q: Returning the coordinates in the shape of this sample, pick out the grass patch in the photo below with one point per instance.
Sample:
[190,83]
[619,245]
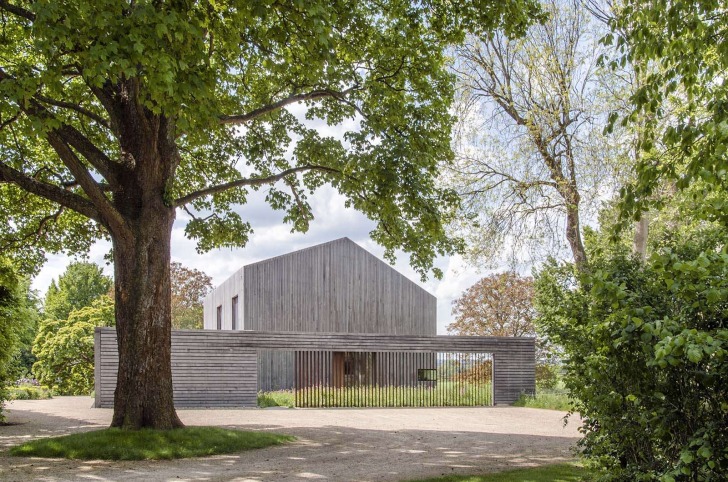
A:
[548,399]
[443,394]
[29,392]
[280,398]
[148,444]
[548,473]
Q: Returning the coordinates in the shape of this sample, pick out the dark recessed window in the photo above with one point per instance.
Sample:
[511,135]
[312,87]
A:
[426,375]
[219,317]
[235,313]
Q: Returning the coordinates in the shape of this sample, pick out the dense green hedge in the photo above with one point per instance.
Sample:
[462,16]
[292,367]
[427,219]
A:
[646,357]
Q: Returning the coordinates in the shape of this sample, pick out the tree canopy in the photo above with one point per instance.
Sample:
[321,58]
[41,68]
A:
[79,285]
[218,81]
[189,288]
[113,115]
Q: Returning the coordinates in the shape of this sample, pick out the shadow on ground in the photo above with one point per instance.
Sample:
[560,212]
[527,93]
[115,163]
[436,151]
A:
[325,449]
[28,425]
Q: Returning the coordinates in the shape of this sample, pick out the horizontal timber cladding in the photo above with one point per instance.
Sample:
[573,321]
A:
[226,361]
[201,376]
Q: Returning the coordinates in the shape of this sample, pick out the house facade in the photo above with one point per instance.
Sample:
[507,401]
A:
[334,287]
[338,327]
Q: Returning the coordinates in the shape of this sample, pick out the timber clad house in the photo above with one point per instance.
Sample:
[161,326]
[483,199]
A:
[336,287]
[338,327]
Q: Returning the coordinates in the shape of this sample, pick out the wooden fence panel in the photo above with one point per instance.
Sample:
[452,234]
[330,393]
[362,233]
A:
[219,368]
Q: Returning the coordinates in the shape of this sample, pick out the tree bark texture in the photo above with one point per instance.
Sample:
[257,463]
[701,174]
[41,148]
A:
[639,245]
[573,236]
[144,395]
[570,193]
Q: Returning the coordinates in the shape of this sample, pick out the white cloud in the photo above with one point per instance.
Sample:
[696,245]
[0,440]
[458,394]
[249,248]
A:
[272,237]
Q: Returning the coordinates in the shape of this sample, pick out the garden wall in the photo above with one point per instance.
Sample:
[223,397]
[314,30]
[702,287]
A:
[219,368]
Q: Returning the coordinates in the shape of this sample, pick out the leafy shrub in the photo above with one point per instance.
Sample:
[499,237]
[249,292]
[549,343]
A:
[547,376]
[646,359]
[29,392]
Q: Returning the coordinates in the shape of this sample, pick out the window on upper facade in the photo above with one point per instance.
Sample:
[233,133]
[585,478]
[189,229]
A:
[235,313]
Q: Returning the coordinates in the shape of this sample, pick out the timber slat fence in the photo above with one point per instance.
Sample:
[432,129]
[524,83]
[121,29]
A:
[219,368]
[392,379]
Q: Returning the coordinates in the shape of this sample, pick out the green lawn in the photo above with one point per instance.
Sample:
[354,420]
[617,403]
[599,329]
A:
[549,399]
[147,444]
[548,473]
[444,394]
[280,398]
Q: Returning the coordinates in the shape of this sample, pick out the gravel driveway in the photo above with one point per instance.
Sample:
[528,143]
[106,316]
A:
[332,444]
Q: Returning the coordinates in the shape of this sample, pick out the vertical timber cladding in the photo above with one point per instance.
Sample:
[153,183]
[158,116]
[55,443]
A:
[392,379]
[218,368]
[334,287]
[206,371]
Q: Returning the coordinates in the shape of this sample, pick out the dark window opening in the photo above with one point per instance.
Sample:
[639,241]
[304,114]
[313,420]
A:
[426,375]
[235,313]
[219,317]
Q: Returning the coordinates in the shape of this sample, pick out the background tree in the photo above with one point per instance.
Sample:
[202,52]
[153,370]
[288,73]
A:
[531,154]
[497,305]
[189,288]
[79,285]
[115,114]
[502,304]
[16,319]
[64,349]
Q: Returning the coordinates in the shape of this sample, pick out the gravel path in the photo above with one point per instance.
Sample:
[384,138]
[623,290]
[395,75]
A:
[332,444]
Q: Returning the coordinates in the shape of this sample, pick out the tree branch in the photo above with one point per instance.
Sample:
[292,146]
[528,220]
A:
[95,156]
[70,105]
[19,11]
[254,181]
[267,109]
[93,190]
[49,191]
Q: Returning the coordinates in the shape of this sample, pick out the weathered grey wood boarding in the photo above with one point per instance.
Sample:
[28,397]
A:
[334,287]
[202,376]
[219,368]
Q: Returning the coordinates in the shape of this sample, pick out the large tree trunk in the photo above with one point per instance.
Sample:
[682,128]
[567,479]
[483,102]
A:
[143,396]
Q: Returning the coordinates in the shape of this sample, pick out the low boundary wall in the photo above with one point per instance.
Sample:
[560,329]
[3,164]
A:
[219,368]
